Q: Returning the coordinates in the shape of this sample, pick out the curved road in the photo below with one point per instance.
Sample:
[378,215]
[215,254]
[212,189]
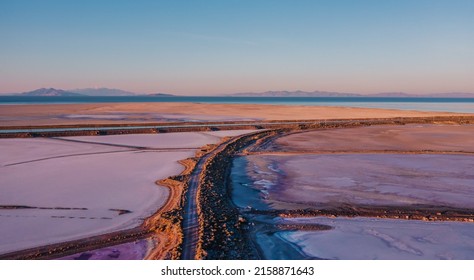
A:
[190,215]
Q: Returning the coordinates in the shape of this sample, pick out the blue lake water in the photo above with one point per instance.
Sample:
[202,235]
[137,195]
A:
[459,105]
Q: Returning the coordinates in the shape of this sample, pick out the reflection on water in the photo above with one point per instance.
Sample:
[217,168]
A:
[251,183]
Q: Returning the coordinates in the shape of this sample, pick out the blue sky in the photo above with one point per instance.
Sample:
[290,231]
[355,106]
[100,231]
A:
[219,46]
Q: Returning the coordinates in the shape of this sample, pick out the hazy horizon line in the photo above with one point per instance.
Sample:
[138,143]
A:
[245,92]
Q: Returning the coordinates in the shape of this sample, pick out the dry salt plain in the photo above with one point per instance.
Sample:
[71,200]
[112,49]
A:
[412,166]
[61,189]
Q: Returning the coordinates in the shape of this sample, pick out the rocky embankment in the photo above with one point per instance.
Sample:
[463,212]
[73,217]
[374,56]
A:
[223,229]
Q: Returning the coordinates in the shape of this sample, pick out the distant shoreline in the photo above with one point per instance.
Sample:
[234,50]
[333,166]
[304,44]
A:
[287,100]
[425,104]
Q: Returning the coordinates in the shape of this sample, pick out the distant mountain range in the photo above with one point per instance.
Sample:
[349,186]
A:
[298,93]
[103,92]
[160,94]
[85,92]
[49,92]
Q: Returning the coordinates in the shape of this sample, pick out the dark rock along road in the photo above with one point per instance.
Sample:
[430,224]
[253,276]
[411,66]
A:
[191,216]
